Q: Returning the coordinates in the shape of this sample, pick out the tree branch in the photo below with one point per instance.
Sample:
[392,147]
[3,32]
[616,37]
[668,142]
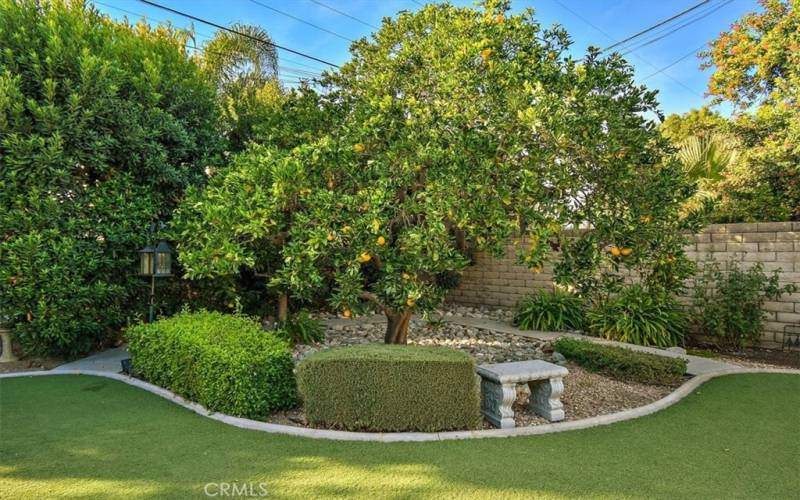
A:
[371,297]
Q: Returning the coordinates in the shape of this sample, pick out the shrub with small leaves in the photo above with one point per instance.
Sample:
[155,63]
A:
[729,303]
[623,364]
[226,363]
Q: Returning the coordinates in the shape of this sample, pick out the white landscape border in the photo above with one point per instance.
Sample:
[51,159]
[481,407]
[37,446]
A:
[244,423]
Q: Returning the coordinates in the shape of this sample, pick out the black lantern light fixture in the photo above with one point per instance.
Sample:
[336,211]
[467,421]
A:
[155,262]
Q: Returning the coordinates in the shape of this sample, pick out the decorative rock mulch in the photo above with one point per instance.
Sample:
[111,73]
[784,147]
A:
[585,394]
[485,346]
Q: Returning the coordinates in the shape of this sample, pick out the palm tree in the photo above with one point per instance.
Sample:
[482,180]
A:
[706,157]
[248,60]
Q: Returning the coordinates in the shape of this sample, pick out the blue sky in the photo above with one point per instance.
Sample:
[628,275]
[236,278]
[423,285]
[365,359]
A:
[589,22]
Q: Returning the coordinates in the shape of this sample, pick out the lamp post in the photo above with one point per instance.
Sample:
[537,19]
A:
[155,262]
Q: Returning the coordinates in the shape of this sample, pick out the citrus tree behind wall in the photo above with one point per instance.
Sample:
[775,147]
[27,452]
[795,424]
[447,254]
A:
[102,126]
[464,128]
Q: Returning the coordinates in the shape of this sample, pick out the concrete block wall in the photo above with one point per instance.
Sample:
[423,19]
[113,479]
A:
[502,282]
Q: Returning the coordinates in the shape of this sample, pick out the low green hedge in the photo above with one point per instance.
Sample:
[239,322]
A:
[226,363]
[390,388]
[623,364]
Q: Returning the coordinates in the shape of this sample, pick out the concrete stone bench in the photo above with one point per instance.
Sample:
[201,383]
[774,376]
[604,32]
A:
[498,390]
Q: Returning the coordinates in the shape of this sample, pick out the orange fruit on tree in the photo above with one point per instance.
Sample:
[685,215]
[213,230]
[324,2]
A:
[380,241]
[486,53]
[615,251]
[626,251]
[359,148]
[364,257]
[330,236]
[499,18]
[347,313]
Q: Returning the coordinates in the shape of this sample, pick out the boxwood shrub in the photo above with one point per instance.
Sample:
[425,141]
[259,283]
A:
[623,364]
[224,362]
[390,388]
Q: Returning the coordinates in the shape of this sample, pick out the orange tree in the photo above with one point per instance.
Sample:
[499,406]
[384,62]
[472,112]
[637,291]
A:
[462,129]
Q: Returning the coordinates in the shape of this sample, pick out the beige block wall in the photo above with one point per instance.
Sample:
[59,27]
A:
[502,282]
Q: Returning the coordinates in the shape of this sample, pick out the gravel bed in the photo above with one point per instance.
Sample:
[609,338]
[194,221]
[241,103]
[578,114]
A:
[484,345]
[585,395]
[588,394]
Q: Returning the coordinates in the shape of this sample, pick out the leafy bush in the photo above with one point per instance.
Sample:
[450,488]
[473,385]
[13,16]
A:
[623,364]
[550,311]
[102,126]
[390,388]
[728,304]
[301,328]
[226,363]
[639,316]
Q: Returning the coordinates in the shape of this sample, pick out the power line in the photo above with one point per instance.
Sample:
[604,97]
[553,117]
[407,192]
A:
[673,63]
[601,31]
[201,35]
[345,14]
[677,28]
[229,30]
[298,19]
[660,23]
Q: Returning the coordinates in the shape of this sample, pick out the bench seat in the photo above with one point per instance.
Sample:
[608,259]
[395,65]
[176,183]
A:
[499,390]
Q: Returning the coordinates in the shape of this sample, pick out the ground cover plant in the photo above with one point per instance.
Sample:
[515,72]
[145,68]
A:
[63,435]
[389,388]
[623,364]
[102,127]
[639,316]
[226,363]
[555,310]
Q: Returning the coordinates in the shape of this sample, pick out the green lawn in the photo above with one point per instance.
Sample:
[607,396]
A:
[80,436]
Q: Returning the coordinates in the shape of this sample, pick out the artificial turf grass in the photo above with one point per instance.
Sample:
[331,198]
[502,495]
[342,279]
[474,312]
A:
[735,437]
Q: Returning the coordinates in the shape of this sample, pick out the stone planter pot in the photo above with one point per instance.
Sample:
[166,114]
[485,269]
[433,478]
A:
[7,355]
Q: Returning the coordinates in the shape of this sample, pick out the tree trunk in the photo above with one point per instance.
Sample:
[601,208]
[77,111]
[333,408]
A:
[397,327]
[283,307]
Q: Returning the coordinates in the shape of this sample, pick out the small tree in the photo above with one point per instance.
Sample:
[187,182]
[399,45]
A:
[461,129]
[240,220]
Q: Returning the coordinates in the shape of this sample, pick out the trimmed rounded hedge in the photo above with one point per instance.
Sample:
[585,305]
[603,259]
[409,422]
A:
[226,363]
[623,364]
[390,388]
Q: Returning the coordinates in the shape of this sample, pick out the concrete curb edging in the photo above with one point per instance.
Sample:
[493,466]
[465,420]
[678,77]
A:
[244,423]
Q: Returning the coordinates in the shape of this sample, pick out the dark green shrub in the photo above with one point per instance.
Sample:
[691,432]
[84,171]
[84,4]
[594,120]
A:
[301,328]
[102,126]
[389,388]
[226,363]
[728,304]
[623,364]
[553,311]
[639,316]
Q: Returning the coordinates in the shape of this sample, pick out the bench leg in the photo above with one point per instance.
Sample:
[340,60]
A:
[546,398]
[496,401]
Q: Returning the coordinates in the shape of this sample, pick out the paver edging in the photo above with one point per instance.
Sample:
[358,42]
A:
[244,423]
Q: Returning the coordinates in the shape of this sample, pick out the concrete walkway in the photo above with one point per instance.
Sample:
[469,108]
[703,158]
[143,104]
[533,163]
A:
[105,361]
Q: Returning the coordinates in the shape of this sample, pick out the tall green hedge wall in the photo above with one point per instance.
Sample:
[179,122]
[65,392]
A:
[102,127]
